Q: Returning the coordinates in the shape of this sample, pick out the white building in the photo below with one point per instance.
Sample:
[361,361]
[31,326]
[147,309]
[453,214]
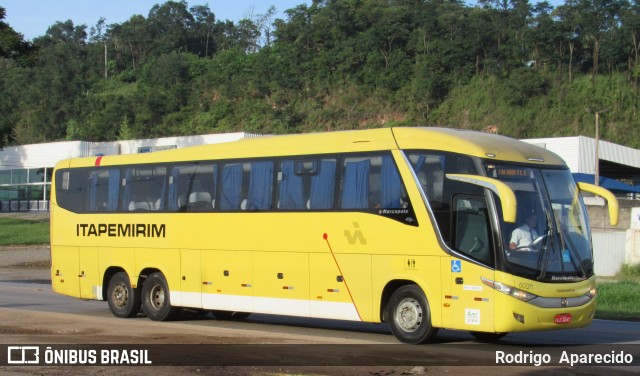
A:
[614,161]
[26,171]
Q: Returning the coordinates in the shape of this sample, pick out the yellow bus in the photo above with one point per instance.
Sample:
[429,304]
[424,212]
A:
[422,228]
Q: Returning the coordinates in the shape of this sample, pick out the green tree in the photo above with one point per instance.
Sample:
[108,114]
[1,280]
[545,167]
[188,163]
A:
[630,17]
[598,18]
[204,29]
[170,24]
[16,55]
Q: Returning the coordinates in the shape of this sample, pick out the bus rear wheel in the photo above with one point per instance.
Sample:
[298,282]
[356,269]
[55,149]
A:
[124,301]
[409,315]
[156,302]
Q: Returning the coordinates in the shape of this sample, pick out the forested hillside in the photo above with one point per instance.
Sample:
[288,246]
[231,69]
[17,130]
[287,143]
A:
[524,69]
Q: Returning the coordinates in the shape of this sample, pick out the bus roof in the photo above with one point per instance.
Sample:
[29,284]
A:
[474,143]
[479,144]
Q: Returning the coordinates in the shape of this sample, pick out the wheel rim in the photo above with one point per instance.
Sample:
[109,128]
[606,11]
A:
[409,315]
[157,297]
[120,295]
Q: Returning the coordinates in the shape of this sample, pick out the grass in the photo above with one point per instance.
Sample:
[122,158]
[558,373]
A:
[630,272]
[620,299]
[15,231]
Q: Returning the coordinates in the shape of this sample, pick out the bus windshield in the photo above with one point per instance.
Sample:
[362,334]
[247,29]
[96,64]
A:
[550,240]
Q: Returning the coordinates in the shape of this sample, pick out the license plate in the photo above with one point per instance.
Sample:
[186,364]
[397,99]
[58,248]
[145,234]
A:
[562,318]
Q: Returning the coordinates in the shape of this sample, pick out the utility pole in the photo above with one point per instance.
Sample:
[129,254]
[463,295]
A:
[597,151]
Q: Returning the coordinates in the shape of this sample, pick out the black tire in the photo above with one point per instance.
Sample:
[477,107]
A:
[487,337]
[230,315]
[123,300]
[156,302]
[409,315]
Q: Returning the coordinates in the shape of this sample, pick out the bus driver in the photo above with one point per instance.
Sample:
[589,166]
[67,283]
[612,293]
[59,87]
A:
[524,235]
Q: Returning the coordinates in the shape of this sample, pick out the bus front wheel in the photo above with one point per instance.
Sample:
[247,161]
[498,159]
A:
[124,301]
[156,302]
[409,315]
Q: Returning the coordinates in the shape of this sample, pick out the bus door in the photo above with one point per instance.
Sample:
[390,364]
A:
[471,302]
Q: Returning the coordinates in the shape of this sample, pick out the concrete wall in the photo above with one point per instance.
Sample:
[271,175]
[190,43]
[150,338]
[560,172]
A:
[615,246]
[609,252]
[599,216]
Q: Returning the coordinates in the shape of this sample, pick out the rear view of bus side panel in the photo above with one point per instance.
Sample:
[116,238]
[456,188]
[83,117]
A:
[90,279]
[64,270]
[227,280]
[64,258]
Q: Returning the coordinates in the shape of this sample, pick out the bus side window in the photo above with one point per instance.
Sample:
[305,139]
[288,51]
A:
[260,195]
[71,184]
[430,172]
[371,183]
[103,190]
[144,189]
[323,186]
[356,184]
[291,185]
[231,187]
[193,187]
[392,193]
[471,227]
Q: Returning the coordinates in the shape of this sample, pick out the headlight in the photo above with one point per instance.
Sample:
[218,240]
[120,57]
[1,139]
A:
[509,290]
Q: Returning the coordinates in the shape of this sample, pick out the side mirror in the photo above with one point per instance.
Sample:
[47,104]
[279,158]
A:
[612,201]
[507,197]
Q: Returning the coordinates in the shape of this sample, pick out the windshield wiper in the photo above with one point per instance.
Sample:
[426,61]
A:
[564,236]
[543,261]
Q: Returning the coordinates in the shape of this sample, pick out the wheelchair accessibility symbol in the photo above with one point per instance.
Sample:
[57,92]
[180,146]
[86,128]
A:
[456,266]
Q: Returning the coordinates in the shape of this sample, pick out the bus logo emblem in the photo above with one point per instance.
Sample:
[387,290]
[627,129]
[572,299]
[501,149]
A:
[23,355]
[356,235]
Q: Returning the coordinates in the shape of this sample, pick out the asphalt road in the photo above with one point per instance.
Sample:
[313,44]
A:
[31,290]
[31,313]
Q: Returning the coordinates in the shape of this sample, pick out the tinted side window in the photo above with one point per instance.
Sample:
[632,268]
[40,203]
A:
[144,188]
[472,228]
[371,182]
[70,189]
[231,195]
[307,184]
[247,186]
[431,168]
[260,190]
[192,187]
[103,190]
[293,184]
